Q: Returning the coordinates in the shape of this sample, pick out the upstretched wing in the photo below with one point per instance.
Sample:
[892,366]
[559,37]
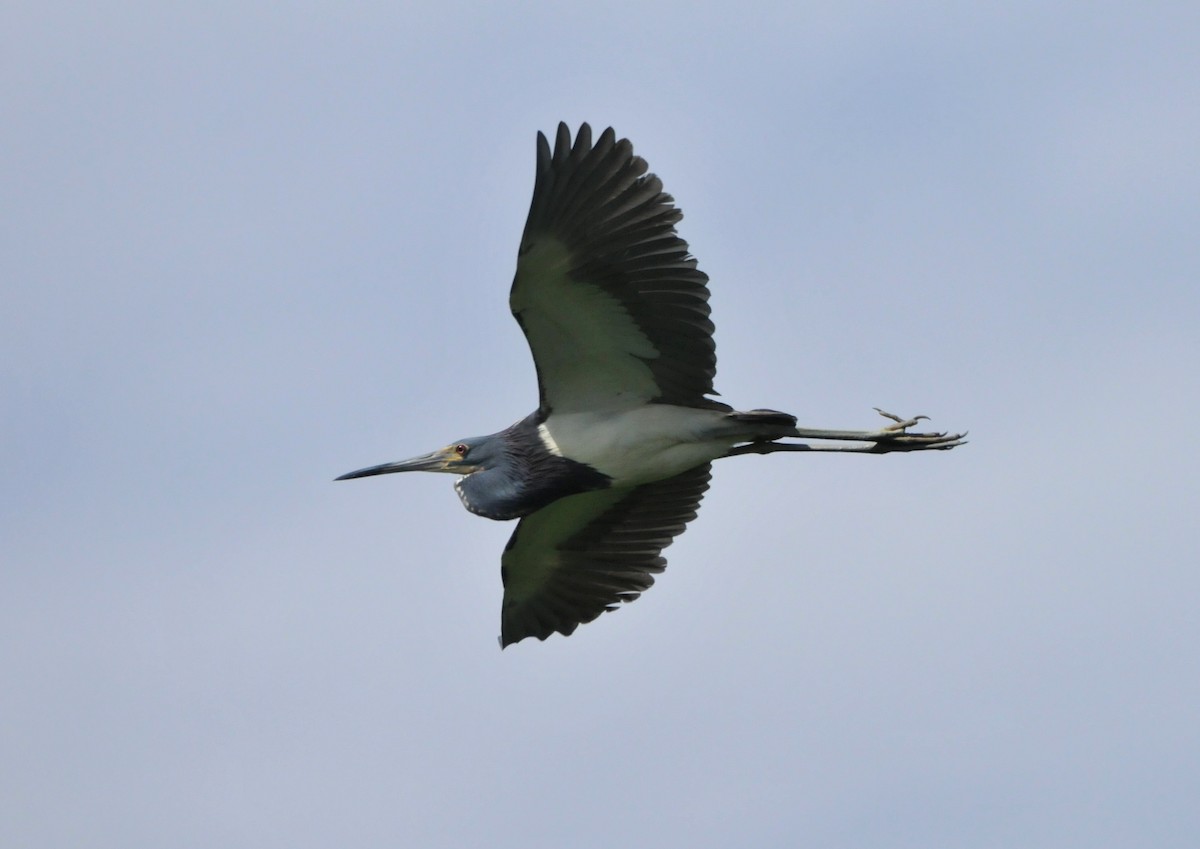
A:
[585,554]
[613,306]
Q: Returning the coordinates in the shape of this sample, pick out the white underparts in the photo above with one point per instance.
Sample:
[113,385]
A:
[646,443]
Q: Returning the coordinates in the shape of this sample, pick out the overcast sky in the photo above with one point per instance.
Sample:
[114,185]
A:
[246,248]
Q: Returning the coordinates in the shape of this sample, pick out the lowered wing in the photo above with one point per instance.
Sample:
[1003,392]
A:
[585,554]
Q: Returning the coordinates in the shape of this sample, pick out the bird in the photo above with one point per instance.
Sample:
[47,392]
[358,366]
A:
[611,466]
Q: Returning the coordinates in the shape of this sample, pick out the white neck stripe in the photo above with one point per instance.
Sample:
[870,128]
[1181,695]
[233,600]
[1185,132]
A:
[548,440]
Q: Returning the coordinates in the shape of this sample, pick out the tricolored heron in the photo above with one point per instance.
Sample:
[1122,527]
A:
[612,465]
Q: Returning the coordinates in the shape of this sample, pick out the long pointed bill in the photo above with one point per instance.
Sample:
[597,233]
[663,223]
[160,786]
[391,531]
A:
[441,460]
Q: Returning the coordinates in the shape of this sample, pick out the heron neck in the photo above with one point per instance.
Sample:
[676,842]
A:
[527,479]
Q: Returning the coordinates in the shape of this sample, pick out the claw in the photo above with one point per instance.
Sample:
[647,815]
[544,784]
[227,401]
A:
[900,424]
[895,437]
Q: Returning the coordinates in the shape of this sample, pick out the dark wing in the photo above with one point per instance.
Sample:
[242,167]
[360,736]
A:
[585,554]
[614,308]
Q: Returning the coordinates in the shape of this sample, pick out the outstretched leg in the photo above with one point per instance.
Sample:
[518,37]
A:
[893,437]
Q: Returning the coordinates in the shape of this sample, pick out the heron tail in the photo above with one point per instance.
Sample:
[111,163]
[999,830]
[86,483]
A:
[763,417]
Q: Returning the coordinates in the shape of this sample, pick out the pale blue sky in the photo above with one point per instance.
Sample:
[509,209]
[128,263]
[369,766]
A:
[247,248]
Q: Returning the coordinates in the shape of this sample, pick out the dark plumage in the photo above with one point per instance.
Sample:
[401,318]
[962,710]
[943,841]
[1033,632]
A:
[525,476]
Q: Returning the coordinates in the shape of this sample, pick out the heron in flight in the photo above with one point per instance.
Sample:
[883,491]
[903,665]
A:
[612,465]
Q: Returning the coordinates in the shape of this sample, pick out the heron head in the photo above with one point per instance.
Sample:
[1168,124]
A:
[460,458]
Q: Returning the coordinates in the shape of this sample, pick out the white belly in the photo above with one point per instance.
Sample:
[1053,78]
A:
[640,445]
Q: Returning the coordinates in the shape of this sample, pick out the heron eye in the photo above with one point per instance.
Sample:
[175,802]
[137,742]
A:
[460,450]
